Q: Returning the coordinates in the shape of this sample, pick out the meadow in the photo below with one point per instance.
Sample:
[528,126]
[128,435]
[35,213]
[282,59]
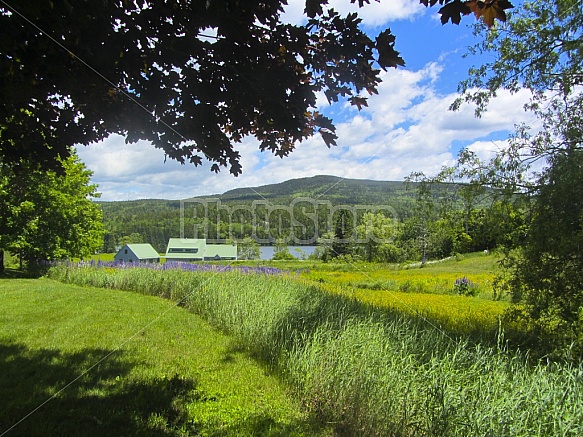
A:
[428,292]
[361,367]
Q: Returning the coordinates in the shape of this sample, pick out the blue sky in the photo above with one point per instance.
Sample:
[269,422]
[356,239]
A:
[406,128]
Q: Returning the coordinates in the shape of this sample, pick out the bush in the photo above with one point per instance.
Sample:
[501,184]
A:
[465,287]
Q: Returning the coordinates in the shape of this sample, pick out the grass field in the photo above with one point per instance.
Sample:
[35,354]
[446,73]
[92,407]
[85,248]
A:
[365,369]
[81,361]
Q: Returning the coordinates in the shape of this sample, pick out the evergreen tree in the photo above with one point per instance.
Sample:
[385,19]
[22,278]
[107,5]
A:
[343,233]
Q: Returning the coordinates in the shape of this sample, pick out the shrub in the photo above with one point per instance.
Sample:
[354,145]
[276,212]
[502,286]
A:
[465,287]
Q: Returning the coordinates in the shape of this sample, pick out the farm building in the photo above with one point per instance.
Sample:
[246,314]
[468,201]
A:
[137,253]
[196,249]
[185,249]
[215,252]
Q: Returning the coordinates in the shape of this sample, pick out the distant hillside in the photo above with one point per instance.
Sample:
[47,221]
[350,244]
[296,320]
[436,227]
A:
[337,190]
[156,220]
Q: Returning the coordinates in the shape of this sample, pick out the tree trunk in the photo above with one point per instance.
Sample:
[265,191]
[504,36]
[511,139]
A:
[1,262]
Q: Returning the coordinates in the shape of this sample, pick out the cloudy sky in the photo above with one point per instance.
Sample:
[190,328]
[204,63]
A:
[406,127]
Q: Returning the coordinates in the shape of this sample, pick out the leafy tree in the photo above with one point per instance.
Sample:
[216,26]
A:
[537,49]
[247,248]
[541,50]
[323,249]
[133,238]
[193,77]
[300,254]
[281,251]
[46,215]
[546,277]
[425,207]
[377,234]
[470,195]
[501,225]
[440,239]
[445,212]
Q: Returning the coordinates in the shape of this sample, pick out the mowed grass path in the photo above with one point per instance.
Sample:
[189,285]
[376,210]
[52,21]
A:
[89,361]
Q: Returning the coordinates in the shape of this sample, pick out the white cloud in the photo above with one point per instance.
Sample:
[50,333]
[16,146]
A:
[486,150]
[375,14]
[294,12]
[406,128]
[137,171]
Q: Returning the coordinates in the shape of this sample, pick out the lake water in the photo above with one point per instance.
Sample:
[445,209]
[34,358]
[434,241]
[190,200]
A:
[297,251]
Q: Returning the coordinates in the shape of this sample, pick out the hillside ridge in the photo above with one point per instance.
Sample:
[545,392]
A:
[324,187]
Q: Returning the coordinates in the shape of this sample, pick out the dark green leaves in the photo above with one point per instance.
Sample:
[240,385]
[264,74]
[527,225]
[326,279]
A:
[358,102]
[314,7]
[146,72]
[326,129]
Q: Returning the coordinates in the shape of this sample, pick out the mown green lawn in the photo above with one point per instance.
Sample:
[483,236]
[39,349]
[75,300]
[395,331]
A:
[88,361]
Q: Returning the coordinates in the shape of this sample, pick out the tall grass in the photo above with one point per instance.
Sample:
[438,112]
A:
[368,371]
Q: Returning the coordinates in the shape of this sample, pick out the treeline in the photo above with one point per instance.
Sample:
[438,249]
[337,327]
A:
[140,221]
[443,221]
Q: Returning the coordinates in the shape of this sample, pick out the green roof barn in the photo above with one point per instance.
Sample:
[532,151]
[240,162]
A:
[185,249]
[137,253]
[197,249]
[215,252]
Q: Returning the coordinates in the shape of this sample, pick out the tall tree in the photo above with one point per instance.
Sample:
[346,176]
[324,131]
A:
[548,278]
[48,215]
[538,49]
[541,49]
[192,76]
[344,232]
[425,210]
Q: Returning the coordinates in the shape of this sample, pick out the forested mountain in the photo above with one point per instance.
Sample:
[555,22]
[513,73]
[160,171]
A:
[335,189]
[156,220]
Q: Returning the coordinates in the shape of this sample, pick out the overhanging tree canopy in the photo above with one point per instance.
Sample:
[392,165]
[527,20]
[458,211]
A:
[193,77]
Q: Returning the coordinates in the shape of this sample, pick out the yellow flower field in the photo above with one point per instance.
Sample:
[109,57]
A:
[457,314]
[424,292]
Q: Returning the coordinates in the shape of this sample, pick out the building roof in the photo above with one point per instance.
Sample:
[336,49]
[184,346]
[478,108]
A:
[186,242]
[197,248]
[220,251]
[185,248]
[142,251]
